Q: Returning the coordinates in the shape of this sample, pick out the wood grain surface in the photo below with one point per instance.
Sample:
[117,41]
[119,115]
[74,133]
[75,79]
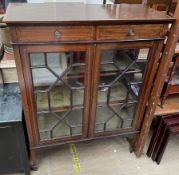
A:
[138,31]
[57,13]
[170,106]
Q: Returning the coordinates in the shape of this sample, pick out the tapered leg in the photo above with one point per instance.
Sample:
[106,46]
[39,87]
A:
[34,162]
[131,145]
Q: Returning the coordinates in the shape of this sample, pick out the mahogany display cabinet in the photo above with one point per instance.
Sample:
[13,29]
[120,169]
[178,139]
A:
[85,71]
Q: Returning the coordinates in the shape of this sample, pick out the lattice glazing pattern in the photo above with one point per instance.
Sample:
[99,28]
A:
[59,86]
[121,76]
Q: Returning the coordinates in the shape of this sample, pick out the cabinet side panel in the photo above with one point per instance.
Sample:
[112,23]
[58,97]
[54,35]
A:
[148,82]
[24,95]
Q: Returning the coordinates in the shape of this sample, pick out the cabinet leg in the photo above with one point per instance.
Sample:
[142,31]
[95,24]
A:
[131,148]
[34,162]
[131,144]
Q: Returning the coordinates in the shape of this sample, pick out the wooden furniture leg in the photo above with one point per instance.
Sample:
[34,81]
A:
[34,162]
[158,84]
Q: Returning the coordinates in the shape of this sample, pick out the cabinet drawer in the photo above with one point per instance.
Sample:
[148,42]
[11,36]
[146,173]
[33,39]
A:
[131,31]
[54,33]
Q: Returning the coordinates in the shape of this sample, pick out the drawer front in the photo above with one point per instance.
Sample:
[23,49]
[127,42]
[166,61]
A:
[54,33]
[131,31]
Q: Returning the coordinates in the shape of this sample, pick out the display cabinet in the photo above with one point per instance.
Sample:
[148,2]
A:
[85,74]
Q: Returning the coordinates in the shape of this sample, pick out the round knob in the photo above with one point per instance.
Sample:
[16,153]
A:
[57,34]
[131,32]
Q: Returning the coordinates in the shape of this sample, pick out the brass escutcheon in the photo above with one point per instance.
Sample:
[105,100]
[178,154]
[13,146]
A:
[57,34]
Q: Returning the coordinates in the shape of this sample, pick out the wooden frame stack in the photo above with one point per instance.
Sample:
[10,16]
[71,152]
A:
[165,126]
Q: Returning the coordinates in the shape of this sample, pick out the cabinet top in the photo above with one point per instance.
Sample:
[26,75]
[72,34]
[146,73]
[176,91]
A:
[78,13]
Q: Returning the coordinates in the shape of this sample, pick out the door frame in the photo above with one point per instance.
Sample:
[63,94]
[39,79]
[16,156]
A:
[24,52]
[155,48]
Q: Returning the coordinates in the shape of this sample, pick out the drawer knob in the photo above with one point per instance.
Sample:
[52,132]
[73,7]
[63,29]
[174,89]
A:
[131,32]
[57,34]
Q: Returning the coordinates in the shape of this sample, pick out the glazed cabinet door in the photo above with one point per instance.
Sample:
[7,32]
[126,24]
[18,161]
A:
[122,77]
[57,83]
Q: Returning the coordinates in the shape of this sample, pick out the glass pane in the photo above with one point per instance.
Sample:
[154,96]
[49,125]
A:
[77,57]
[46,122]
[124,59]
[75,121]
[119,93]
[78,97]
[42,101]
[124,110]
[37,59]
[121,76]
[114,117]
[57,62]
[61,130]
[42,77]
[60,96]
[134,82]
[114,122]
[102,114]
[59,86]
[45,135]
[108,72]
[75,76]
[102,94]
[70,126]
